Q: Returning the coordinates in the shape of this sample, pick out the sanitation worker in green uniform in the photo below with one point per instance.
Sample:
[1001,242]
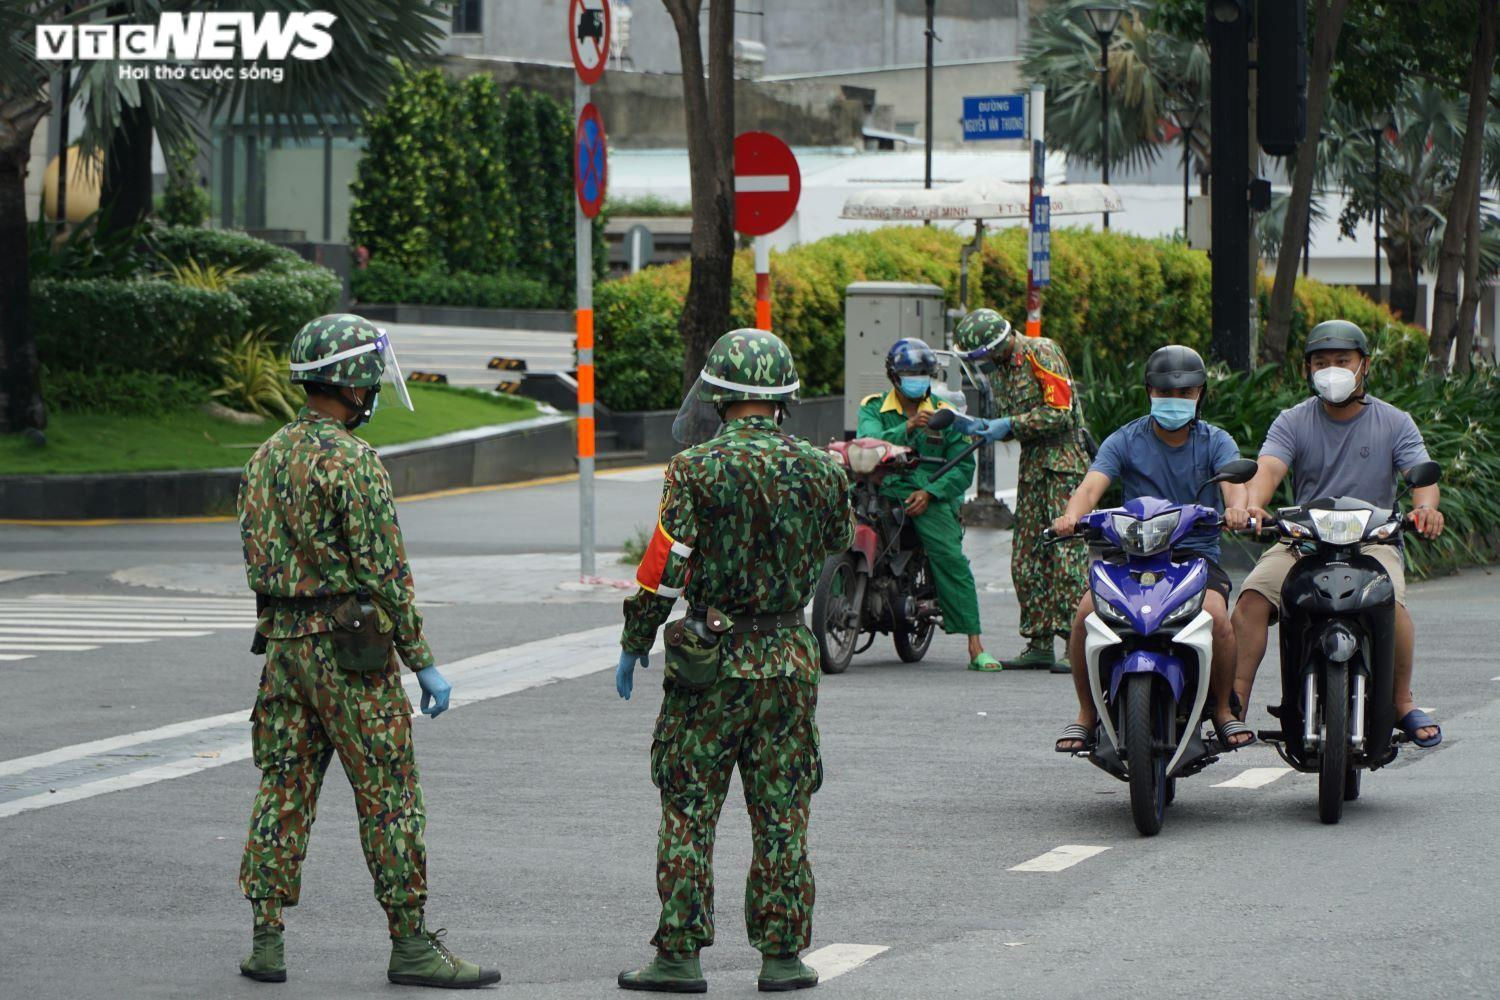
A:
[1033,392]
[337,618]
[900,417]
[747,519]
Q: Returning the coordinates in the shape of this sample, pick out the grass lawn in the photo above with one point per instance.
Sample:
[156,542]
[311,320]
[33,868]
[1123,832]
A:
[101,442]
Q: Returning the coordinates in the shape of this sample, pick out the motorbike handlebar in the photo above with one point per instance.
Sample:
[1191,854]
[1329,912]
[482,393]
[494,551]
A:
[947,466]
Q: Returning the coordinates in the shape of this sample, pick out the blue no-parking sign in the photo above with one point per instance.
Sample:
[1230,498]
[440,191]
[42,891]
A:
[1000,117]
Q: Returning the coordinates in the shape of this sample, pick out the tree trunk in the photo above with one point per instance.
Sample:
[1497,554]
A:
[1468,309]
[1402,258]
[126,190]
[21,404]
[1330,20]
[709,107]
[1451,252]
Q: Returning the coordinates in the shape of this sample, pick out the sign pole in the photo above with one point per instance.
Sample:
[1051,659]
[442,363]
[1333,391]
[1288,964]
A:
[1035,122]
[763,283]
[584,259]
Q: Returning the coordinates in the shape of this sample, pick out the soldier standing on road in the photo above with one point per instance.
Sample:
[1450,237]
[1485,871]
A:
[1033,391]
[324,555]
[747,520]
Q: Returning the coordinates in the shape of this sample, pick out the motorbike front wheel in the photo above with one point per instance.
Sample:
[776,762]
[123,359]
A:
[912,645]
[1143,723]
[1334,767]
[832,614]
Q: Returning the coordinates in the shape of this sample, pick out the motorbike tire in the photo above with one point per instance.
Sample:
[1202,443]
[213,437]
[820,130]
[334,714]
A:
[831,604]
[1142,722]
[1333,767]
[1171,790]
[1351,784]
[911,646]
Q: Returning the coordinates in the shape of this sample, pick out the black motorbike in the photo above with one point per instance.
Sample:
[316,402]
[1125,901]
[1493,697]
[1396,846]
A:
[882,585]
[1338,642]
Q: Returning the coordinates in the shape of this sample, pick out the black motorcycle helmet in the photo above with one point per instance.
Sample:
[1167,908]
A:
[1175,367]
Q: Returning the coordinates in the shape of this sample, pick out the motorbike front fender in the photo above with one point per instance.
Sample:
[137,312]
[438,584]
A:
[866,544]
[1145,661]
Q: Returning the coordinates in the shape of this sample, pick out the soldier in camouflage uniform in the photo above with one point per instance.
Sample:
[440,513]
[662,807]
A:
[746,522]
[1033,392]
[324,555]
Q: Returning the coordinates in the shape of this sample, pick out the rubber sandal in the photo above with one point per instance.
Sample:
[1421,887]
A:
[1234,727]
[985,663]
[1418,719]
[1075,731]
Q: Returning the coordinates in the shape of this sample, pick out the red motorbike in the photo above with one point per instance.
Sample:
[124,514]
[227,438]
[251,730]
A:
[882,585]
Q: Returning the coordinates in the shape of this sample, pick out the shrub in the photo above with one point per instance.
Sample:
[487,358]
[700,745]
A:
[121,391]
[382,281]
[185,202]
[222,248]
[648,206]
[142,325]
[282,302]
[254,378]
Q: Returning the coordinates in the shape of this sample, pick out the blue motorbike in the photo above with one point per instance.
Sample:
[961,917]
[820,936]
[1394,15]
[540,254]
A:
[1149,644]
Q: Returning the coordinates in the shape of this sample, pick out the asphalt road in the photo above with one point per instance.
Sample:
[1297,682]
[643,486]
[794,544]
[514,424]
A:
[542,820]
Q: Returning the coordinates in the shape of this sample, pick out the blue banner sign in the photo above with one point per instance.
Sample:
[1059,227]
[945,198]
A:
[1001,117]
[1041,241]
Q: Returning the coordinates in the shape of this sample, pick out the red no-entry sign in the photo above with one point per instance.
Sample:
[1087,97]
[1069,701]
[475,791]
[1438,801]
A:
[767,183]
[588,37]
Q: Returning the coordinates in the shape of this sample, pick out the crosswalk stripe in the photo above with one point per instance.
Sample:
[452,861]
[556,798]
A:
[1255,777]
[238,607]
[162,599]
[9,657]
[16,647]
[836,959]
[182,632]
[96,637]
[141,623]
[1059,858]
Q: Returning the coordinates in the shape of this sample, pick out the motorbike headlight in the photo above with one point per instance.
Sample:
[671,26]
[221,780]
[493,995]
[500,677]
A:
[1108,612]
[1146,538]
[1382,531]
[864,458]
[1340,527]
[1187,609]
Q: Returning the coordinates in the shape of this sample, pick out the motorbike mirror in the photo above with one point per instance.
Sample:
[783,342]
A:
[1423,474]
[1241,470]
[941,420]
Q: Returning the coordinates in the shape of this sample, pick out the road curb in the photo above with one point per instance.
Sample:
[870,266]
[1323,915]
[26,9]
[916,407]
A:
[483,456]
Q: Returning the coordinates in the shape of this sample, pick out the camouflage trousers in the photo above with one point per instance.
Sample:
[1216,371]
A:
[768,728]
[1049,580]
[308,710]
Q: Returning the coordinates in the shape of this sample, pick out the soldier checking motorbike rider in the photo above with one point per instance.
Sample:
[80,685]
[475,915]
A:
[1168,454]
[748,515]
[900,416]
[1341,442]
[336,608]
[1033,390]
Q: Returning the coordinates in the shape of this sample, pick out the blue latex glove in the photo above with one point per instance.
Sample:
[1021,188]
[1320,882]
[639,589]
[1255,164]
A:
[993,430]
[625,671]
[435,691]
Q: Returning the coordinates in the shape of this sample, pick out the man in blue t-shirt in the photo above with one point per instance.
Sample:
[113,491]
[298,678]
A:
[1167,454]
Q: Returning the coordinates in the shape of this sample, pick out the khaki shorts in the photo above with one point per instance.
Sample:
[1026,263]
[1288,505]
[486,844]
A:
[1276,562]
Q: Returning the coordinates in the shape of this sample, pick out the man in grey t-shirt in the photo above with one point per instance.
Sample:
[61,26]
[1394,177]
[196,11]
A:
[1343,442]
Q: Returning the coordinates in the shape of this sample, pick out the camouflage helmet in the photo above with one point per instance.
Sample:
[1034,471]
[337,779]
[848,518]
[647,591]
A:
[981,332]
[339,349]
[748,364]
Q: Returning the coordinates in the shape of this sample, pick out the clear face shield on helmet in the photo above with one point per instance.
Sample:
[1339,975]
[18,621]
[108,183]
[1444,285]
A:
[391,368]
[698,419]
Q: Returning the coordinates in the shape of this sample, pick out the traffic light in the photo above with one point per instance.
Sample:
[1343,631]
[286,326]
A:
[1281,91]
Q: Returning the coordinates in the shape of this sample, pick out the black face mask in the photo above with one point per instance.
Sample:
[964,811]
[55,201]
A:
[363,411]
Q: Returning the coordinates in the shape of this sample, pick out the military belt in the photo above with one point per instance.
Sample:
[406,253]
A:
[322,603]
[778,622]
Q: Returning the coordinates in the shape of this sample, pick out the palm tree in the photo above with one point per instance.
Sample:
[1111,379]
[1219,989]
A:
[370,38]
[1151,72]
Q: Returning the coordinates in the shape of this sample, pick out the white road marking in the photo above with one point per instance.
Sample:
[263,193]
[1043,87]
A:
[1057,859]
[8,657]
[102,638]
[185,631]
[138,622]
[78,598]
[18,647]
[1255,777]
[75,623]
[836,959]
[227,737]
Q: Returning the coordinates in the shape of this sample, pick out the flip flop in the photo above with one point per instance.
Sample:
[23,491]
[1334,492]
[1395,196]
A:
[1234,727]
[985,663]
[1075,731]
[1418,719]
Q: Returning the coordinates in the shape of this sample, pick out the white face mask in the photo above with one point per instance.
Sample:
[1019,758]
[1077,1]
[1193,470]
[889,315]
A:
[1334,385]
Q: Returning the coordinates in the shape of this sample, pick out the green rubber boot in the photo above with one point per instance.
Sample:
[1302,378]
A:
[267,961]
[667,974]
[777,975]
[1036,656]
[423,960]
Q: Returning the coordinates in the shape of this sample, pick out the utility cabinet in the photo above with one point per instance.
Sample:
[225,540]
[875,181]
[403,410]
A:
[876,315]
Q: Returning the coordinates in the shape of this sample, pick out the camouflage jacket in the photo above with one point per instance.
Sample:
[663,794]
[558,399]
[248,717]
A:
[1035,389]
[747,520]
[317,519]
[882,417]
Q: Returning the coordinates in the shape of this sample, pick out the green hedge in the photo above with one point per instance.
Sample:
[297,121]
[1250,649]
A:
[144,325]
[1120,296]
[385,281]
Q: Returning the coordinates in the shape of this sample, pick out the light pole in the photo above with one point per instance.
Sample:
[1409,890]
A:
[1185,112]
[1104,21]
[1383,121]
